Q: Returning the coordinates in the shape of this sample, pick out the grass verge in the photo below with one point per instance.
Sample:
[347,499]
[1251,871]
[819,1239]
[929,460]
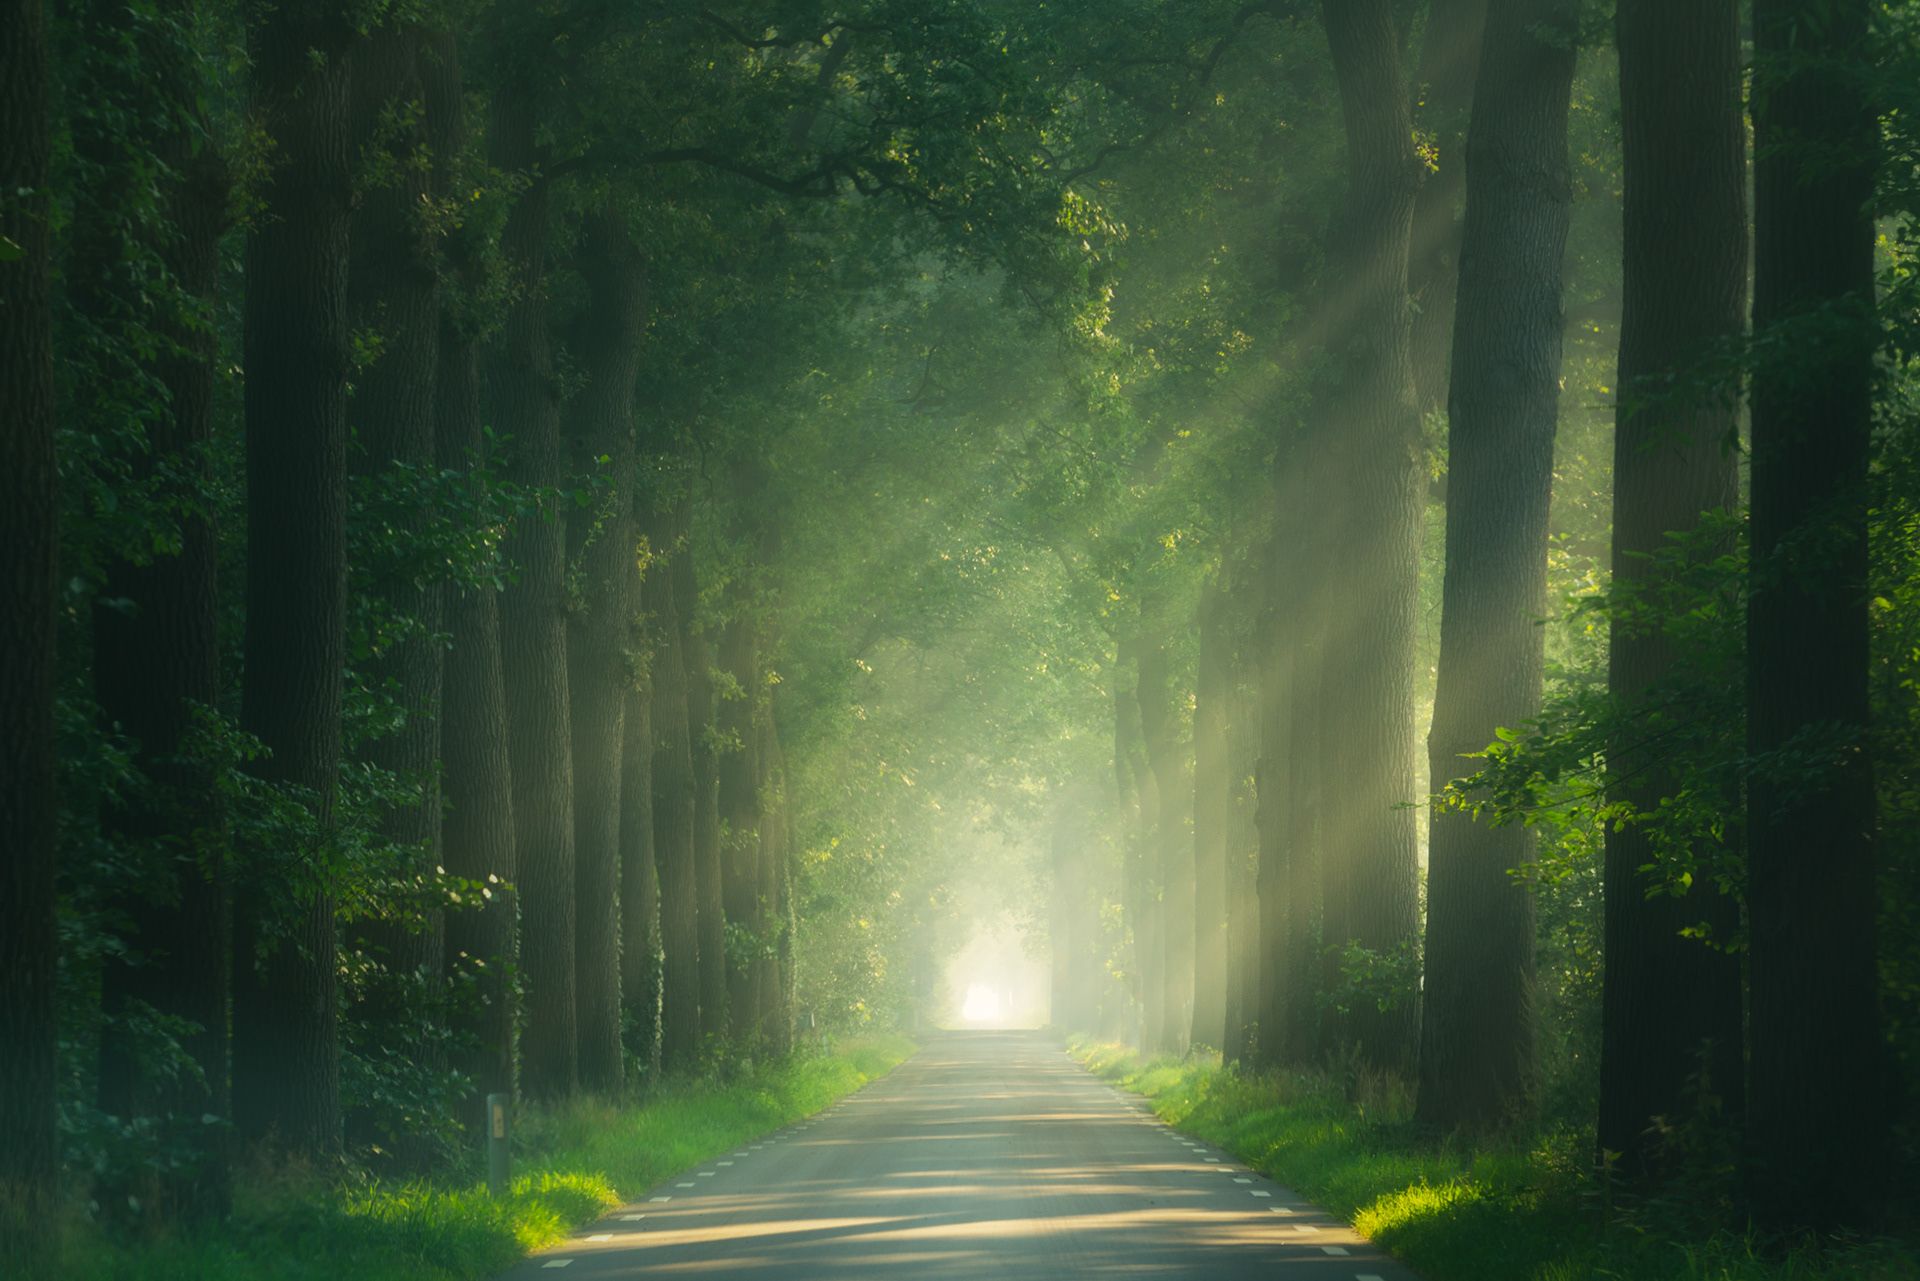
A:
[575,1162]
[1523,1211]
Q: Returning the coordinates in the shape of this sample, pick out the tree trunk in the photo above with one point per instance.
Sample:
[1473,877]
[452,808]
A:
[739,801]
[1817,1132]
[1279,985]
[600,671]
[1135,786]
[1381,482]
[1667,997]
[673,805]
[1449,65]
[1212,807]
[708,876]
[1243,852]
[28,811]
[1477,1035]
[286,1054]
[785,911]
[155,651]
[533,628]
[639,886]
[393,293]
[477,830]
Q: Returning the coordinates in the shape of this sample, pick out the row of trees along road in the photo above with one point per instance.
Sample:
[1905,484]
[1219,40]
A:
[592,539]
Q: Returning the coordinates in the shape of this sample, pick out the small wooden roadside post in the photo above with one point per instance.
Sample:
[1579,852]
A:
[499,1148]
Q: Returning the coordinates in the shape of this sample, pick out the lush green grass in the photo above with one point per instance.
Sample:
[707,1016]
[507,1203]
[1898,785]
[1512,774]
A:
[575,1162]
[1525,1211]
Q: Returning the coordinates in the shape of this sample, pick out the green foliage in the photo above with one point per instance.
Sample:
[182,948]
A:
[579,1160]
[1523,1208]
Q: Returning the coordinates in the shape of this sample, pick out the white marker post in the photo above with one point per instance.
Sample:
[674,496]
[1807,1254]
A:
[499,1149]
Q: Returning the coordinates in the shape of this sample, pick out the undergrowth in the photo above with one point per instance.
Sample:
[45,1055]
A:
[573,1161]
[1527,1208]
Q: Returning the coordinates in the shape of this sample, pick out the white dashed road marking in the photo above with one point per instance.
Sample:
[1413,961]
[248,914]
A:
[1333,1249]
[557,1263]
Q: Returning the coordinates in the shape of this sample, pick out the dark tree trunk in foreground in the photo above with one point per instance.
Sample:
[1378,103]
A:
[1212,805]
[28,813]
[286,1054]
[639,886]
[155,651]
[1817,1116]
[1449,65]
[533,629]
[739,802]
[1477,1034]
[708,875]
[476,776]
[673,802]
[1671,1005]
[599,671]
[393,293]
[1380,475]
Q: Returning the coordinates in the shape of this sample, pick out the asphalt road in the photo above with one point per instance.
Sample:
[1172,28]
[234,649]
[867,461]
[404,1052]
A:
[986,1155]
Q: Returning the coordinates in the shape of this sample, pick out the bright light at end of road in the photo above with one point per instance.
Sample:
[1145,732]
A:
[982,1004]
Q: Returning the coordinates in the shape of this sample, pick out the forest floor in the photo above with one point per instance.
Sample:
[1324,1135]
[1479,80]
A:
[1526,1209]
[572,1163]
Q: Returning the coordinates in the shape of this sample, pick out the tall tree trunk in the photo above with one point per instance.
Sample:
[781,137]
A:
[477,834]
[1172,844]
[1242,838]
[28,811]
[1279,985]
[1671,1005]
[286,1053]
[1449,65]
[1816,1125]
[673,805]
[708,877]
[739,801]
[155,652]
[1212,806]
[533,626]
[393,293]
[1135,788]
[785,909]
[1477,1035]
[600,671]
[640,967]
[1381,479]
[1150,932]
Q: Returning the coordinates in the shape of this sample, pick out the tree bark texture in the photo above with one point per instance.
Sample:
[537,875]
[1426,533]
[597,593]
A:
[600,664]
[673,806]
[155,649]
[1212,810]
[533,627]
[286,1054]
[1243,853]
[1171,844]
[28,810]
[1449,65]
[477,829]
[640,965]
[1477,1027]
[739,805]
[1670,1017]
[779,864]
[1818,1151]
[1380,474]
[393,293]
[709,879]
